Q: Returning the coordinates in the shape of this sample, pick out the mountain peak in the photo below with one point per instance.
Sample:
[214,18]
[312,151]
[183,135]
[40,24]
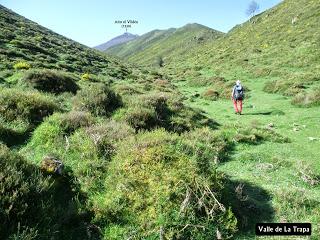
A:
[123,38]
[194,25]
[128,34]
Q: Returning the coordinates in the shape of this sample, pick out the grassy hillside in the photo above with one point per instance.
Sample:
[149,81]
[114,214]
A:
[280,44]
[25,44]
[127,49]
[159,46]
[276,55]
[278,180]
[92,148]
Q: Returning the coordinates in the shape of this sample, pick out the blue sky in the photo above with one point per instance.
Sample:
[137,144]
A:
[92,22]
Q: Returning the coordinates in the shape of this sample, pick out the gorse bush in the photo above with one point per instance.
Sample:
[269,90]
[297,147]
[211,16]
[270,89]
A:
[106,136]
[29,107]
[21,65]
[219,87]
[11,134]
[149,111]
[98,99]
[86,76]
[162,110]
[293,84]
[283,86]
[84,147]
[51,81]
[67,123]
[141,117]
[307,99]
[207,147]
[255,135]
[35,206]
[74,120]
[155,189]
[211,94]
[206,81]
[77,152]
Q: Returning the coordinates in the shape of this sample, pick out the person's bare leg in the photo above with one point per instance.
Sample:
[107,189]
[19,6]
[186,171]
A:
[240,106]
[235,106]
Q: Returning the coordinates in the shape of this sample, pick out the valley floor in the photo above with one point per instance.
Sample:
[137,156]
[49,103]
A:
[278,177]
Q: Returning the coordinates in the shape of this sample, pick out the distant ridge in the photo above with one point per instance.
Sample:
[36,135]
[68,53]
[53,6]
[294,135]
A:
[165,44]
[126,37]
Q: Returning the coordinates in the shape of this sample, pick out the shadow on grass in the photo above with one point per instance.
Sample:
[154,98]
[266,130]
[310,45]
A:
[47,207]
[12,138]
[266,113]
[258,113]
[250,204]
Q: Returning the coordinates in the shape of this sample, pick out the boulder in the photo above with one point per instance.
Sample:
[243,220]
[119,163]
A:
[270,126]
[52,165]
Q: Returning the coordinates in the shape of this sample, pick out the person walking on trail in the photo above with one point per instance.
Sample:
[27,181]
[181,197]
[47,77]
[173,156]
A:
[237,97]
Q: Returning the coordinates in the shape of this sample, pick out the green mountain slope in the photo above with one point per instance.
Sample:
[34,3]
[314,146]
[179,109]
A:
[276,53]
[149,48]
[126,49]
[281,44]
[143,157]
[22,40]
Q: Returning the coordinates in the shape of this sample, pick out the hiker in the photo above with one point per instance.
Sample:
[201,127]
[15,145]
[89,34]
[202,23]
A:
[237,97]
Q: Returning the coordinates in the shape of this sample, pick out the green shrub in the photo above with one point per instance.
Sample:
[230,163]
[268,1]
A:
[51,81]
[293,83]
[187,118]
[77,151]
[207,147]
[67,123]
[277,112]
[211,94]
[98,99]
[159,61]
[86,150]
[127,89]
[141,117]
[25,106]
[206,81]
[307,99]
[153,186]
[219,87]
[255,135]
[21,65]
[162,110]
[5,74]
[35,206]
[74,120]
[283,86]
[107,136]
[148,111]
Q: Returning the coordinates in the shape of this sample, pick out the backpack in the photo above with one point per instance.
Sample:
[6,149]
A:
[238,93]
